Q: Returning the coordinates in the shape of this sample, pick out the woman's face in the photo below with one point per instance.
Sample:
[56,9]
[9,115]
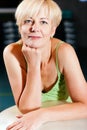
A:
[37,30]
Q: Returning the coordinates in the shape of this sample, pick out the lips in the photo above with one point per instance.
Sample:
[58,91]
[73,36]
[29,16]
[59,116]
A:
[34,37]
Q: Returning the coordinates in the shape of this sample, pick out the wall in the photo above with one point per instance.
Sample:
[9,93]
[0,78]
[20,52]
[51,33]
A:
[80,15]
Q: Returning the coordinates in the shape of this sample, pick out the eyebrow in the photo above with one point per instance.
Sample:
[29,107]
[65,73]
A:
[44,18]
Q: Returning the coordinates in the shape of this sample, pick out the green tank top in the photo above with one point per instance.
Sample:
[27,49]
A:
[59,91]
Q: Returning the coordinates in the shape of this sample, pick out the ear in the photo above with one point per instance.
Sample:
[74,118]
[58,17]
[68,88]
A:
[53,30]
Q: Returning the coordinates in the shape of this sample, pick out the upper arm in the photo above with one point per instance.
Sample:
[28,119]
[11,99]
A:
[16,69]
[75,81]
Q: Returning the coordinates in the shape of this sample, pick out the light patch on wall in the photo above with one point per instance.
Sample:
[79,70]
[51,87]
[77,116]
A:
[83,0]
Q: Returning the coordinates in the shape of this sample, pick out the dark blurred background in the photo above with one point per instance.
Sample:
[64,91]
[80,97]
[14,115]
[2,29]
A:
[73,29]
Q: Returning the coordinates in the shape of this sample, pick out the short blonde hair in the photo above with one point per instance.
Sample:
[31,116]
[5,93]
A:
[28,8]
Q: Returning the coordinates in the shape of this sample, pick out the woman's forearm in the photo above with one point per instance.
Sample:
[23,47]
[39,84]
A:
[66,111]
[31,96]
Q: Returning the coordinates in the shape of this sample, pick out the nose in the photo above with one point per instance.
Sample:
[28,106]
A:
[35,27]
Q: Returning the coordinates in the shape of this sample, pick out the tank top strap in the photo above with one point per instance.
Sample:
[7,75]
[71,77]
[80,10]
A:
[57,66]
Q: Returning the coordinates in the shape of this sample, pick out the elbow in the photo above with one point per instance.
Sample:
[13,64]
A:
[25,110]
[25,107]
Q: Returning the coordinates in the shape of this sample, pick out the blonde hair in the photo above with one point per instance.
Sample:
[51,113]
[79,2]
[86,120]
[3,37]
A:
[28,8]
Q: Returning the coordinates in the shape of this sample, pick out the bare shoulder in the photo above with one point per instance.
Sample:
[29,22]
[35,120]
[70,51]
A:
[12,48]
[13,51]
[65,50]
[66,55]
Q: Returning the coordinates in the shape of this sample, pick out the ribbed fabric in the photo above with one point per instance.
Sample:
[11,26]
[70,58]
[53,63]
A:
[59,91]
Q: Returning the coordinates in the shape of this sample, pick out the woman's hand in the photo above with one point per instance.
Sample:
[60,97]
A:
[29,121]
[32,55]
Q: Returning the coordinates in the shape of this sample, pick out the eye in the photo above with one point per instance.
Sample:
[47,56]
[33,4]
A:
[44,22]
[28,21]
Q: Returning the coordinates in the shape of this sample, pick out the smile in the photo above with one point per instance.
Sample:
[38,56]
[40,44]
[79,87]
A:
[34,37]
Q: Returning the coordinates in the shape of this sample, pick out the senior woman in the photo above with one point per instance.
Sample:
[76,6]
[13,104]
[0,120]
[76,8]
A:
[41,68]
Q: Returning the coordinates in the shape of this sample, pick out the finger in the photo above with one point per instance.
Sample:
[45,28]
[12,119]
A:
[13,125]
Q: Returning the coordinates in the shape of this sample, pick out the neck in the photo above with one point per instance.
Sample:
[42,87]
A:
[46,54]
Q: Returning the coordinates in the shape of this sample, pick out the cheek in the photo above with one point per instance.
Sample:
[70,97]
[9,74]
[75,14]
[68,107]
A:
[23,29]
[23,34]
[47,32]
